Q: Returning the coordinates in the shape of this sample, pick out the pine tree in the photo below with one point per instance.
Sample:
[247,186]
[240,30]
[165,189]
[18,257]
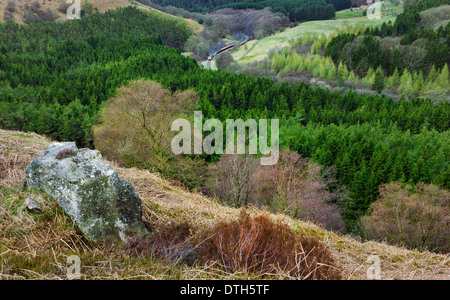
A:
[331,69]
[394,80]
[418,83]
[370,77]
[342,70]
[357,205]
[278,61]
[352,77]
[443,79]
[323,69]
[378,84]
[345,169]
[432,75]
[286,52]
[406,83]
[301,65]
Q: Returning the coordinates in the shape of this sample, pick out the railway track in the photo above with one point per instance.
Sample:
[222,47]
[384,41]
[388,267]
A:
[229,47]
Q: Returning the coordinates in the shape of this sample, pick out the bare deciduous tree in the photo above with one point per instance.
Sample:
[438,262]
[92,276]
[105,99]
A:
[231,179]
[294,187]
[414,217]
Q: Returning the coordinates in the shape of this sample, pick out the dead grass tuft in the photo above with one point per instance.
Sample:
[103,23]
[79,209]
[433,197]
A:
[169,242]
[17,150]
[264,246]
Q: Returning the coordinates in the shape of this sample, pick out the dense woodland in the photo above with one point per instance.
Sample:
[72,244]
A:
[304,10]
[405,44]
[55,78]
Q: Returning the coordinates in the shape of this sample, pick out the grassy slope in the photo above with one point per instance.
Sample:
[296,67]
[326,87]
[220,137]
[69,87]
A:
[100,5]
[37,246]
[193,25]
[258,50]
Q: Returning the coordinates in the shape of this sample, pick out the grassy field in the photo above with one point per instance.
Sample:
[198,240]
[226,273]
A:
[347,14]
[258,50]
[36,246]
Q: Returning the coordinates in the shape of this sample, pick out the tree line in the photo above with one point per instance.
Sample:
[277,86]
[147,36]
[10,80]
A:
[304,10]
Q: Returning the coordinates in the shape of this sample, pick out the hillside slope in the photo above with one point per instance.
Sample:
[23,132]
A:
[37,246]
[54,5]
[97,5]
[258,50]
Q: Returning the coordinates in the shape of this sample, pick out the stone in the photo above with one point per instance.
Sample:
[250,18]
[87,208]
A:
[33,206]
[90,191]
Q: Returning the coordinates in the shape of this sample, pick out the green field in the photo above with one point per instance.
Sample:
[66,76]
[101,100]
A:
[347,14]
[259,49]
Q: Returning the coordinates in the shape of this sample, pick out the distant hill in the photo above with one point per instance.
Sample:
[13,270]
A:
[304,10]
[57,7]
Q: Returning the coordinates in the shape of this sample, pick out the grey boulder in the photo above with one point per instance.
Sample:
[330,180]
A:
[100,203]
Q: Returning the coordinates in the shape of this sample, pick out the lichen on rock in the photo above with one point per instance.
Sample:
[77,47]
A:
[100,203]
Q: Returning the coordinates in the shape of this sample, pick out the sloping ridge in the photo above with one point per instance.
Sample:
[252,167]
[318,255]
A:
[166,201]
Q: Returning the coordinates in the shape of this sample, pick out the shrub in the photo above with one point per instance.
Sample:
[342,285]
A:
[296,187]
[30,18]
[170,242]
[11,6]
[224,61]
[413,217]
[8,16]
[263,246]
[199,46]
[35,6]
[63,7]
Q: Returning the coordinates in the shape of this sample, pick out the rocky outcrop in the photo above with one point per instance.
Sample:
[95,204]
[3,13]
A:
[100,203]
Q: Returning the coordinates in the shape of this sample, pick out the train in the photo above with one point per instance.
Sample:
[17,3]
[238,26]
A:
[228,47]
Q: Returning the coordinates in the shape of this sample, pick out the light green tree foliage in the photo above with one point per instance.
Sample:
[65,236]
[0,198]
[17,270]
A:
[418,83]
[370,77]
[343,71]
[352,77]
[393,80]
[443,79]
[437,85]
[406,84]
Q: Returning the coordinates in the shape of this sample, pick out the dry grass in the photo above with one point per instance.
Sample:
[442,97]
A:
[36,246]
[193,25]
[164,202]
[20,5]
[104,5]
[268,247]
[17,150]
